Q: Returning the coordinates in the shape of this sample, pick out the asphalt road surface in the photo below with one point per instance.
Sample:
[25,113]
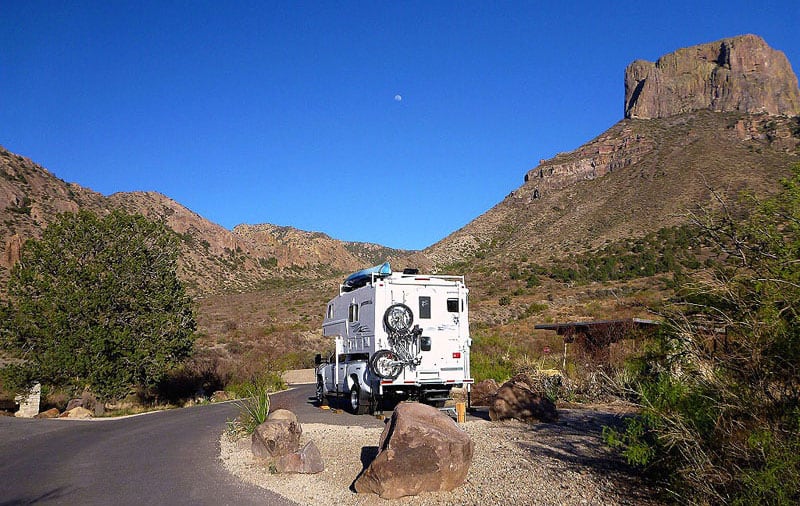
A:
[166,458]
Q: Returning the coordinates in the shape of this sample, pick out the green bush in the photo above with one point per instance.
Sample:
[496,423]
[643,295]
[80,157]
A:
[720,389]
[96,303]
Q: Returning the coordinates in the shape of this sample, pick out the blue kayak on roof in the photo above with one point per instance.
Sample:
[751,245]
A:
[361,278]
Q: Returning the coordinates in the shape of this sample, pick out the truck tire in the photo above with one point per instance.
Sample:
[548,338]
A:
[398,318]
[320,393]
[357,404]
[383,364]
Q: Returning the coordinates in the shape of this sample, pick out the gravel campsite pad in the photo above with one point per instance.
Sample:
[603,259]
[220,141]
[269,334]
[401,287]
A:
[514,463]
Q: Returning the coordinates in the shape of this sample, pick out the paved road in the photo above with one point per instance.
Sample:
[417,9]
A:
[159,458]
[169,457]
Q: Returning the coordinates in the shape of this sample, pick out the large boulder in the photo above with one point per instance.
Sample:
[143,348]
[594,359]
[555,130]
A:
[483,393]
[520,399]
[29,402]
[307,460]
[420,450]
[89,401]
[279,435]
[283,414]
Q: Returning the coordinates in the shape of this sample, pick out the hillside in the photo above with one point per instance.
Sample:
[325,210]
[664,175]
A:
[260,288]
[719,116]
[638,176]
[213,259]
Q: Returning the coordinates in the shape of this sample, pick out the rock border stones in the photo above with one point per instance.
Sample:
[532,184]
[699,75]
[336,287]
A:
[276,442]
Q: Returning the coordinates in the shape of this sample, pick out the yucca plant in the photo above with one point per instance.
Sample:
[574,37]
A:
[254,408]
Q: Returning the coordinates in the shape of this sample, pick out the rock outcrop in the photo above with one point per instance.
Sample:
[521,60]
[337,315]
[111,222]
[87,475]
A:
[12,252]
[277,443]
[420,450]
[738,74]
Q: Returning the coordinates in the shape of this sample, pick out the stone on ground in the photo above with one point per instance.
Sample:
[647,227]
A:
[307,460]
[279,435]
[220,396]
[420,450]
[482,393]
[519,399]
[77,413]
[50,413]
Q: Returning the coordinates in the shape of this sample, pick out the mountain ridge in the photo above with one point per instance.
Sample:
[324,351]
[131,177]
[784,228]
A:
[213,259]
[571,201]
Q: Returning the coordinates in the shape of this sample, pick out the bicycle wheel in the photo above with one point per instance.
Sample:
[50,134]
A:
[385,364]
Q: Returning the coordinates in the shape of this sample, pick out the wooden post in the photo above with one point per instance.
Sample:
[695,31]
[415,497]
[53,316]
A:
[461,412]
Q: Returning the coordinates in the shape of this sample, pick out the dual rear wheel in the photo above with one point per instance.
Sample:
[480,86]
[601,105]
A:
[358,406]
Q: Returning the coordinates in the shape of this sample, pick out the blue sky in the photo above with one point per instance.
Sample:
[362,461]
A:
[387,122]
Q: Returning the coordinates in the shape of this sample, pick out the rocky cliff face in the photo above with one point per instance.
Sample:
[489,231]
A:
[723,115]
[30,197]
[741,74]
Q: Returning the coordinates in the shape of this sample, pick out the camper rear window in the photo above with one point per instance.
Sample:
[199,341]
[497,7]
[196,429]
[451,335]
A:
[452,305]
[425,307]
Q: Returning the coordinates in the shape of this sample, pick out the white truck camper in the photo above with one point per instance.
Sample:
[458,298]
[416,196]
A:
[398,335]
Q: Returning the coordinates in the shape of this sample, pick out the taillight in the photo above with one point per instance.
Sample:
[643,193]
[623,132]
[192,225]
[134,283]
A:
[457,354]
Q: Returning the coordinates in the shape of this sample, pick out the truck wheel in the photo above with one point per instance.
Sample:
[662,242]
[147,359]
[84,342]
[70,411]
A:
[398,318]
[357,406]
[384,364]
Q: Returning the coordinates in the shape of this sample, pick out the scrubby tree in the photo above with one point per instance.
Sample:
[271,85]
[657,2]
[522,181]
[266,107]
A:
[720,390]
[96,303]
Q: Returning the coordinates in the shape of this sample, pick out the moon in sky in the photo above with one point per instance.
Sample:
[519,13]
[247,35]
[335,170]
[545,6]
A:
[398,98]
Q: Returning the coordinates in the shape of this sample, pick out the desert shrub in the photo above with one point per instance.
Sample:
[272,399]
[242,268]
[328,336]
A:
[720,389]
[667,250]
[253,408]
[491,356]
[487,367]
[200,376]
[532,309]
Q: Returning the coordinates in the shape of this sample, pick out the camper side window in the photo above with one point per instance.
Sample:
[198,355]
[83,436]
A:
[352,315]
[452,305]
[425,307]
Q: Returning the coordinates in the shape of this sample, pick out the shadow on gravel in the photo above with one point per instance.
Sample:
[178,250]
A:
[576,440]
[57,494]
[368,454]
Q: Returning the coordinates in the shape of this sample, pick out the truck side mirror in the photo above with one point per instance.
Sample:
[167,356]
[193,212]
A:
[317,359]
